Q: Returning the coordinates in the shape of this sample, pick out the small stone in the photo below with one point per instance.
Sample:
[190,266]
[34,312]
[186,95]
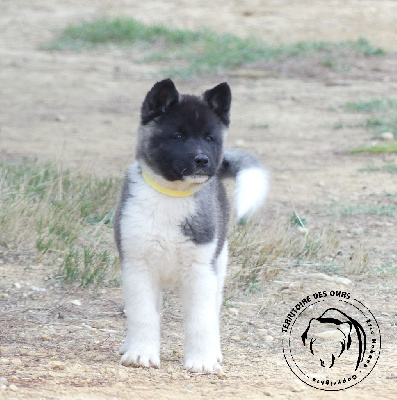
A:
[304,231]
[235,338]
[331,278]
[190,386]
[387,136]
[383,223]
[17,285]
[294,285]
[16,361]
[268,338]
[122,374]
[359,231]
[177,353]
[266,393]
[58,365]
[38,289]
[233,311]
[221,374]
[241,143]
[4,361]
[321,183]
[23,352]
[343,281]
[45,337]
[4,296]
[3,381]
[60,118]
[76,302]
[13,388]
[297,387]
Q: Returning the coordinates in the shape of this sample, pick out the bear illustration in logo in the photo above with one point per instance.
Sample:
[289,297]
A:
[331,334]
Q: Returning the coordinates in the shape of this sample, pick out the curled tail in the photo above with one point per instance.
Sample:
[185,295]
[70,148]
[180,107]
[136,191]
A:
[251,180]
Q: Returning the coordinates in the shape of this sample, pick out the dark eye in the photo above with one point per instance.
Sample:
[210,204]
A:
[209,139]
[178,137]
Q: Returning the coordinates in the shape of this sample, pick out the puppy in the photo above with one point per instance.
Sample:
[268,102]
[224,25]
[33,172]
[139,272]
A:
[171,221]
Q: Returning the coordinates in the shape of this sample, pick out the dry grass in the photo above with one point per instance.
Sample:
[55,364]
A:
[358,262]
[58,217]
[259,253]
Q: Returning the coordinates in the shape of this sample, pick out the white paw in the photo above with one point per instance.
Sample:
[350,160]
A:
[136,358]
[201,365]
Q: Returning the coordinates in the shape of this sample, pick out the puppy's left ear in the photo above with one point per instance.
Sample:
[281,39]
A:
[219,100]
[158,100]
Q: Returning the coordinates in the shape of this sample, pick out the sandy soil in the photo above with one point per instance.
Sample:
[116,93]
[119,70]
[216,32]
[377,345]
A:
[82,109]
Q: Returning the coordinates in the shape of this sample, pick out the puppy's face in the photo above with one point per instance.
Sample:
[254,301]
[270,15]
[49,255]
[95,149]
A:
[181,137]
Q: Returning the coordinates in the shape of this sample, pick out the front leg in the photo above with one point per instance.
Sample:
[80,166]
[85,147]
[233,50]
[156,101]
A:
[142,298]
[202,342]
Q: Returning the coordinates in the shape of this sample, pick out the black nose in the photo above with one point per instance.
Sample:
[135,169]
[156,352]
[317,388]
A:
[201,160]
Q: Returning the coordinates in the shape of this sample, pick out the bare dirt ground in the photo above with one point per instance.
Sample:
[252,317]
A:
[83,108]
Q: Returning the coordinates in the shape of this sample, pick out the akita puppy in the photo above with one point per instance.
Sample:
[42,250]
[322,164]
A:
[171,221]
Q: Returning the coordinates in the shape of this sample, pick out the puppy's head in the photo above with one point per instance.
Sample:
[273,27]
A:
[181,136]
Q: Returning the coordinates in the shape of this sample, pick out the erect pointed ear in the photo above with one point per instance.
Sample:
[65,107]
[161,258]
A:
[160,97]
[219,99]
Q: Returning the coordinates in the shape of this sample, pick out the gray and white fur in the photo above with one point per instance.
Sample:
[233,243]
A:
[164,240]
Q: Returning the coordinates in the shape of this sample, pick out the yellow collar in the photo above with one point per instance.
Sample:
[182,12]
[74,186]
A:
[164,190]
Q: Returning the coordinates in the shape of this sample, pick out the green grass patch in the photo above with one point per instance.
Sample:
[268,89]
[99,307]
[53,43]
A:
[369,105]
[365,209]
[390,168]
[118,31]
[381,210]
[385,205]
[387,147]
[388,268]
[381,114]
[193,52]
[59,217]
[259,126]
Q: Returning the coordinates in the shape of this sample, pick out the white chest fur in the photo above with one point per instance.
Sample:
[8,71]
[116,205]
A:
[151,232]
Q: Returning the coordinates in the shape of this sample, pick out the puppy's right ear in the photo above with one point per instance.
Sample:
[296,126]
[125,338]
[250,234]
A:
[160,97]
